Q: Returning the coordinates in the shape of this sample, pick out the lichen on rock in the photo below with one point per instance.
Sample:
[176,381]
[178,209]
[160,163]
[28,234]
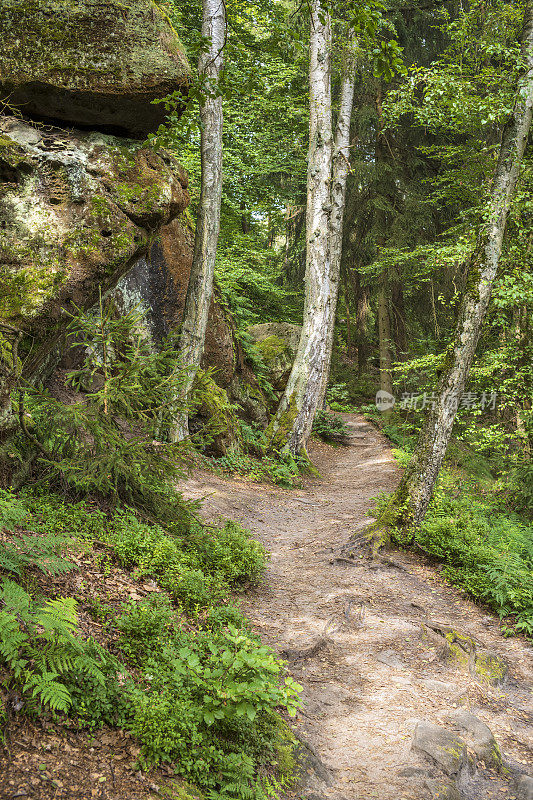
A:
[94,63]
[77,209]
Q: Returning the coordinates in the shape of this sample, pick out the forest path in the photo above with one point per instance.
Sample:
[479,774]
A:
[351,630]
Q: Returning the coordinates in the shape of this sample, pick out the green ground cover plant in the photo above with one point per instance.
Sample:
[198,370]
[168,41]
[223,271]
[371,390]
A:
[185,675]
[475,526]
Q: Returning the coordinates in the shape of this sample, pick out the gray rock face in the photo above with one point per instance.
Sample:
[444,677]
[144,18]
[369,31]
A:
[441,747]
[76,210]
[443,791]
[90,62]
[478,736]
[524,788]
[390,659]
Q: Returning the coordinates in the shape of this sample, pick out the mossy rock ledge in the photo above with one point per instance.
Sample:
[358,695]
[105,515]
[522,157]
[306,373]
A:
[92,63]
[277,343]
[77,210]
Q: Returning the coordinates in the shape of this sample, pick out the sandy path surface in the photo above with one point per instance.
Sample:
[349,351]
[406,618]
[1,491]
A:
[353,633]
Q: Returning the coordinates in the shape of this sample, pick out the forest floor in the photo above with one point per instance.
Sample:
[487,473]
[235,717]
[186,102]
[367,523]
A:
[362,638]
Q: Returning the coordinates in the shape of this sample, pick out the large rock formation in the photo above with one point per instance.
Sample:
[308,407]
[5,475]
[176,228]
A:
[78,207]
[93,63]
[76,213]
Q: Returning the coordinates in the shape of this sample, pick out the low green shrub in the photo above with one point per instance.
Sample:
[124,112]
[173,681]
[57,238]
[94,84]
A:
[205,700]
[486,552]
[330,427]
[279,468]
[229,550]
[200,692]
[197,569]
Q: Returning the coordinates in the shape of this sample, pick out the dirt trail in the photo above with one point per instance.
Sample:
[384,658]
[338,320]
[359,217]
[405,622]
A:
[351,630]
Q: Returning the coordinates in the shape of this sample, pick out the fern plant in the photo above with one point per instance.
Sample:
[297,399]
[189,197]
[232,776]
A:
[30,548]
[40,647]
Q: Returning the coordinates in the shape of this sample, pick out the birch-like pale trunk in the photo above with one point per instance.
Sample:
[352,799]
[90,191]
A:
[341,169]
[291,426]
[414,493]
[200,289]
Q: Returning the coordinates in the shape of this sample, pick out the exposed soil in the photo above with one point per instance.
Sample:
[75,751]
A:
[353,632]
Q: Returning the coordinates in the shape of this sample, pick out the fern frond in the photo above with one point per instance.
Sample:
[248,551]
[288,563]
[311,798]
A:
[59,615]
[87,665]
[15,599]
[49,691]
[11,637]
[54,659]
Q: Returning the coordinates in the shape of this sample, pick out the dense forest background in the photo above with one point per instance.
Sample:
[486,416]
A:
[92,380]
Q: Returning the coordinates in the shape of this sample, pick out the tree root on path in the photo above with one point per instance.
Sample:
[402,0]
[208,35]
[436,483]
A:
[293,654]
[311,756]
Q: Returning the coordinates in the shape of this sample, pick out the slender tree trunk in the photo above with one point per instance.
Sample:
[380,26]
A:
[398,311]
[361,317]
[385,360]
[349,340]
[200,289]
[410,502]
[293,421]
[341,169]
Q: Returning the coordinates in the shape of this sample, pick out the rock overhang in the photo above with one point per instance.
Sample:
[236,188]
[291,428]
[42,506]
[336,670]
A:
[91,63]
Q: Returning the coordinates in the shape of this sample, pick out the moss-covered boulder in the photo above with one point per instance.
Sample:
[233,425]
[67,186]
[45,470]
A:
[76,212]
[277,343]
[93,63]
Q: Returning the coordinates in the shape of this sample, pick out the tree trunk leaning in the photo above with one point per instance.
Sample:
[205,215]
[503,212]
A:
[200,289]
[410,501]
[291,426]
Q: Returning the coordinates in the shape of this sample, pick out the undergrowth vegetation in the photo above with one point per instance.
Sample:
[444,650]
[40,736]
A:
[180,670]
[475,526]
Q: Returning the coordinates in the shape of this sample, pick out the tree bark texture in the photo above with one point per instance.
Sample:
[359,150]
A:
[200,289]
[416,487]
[293,421]
[340,170]
[328,169]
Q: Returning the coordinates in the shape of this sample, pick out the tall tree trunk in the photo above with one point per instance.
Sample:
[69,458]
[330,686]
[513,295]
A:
[410,502]
[361,320]
[293,421]
[341,169]
[200,289]
[398,312]
[385,360]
